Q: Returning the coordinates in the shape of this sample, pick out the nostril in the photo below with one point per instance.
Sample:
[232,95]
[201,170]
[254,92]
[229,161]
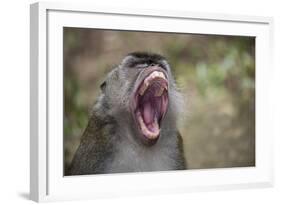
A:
[152,64]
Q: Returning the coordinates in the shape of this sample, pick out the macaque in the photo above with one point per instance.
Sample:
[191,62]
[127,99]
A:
[133,124]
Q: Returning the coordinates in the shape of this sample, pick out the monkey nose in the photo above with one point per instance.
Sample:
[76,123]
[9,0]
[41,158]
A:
[154,65]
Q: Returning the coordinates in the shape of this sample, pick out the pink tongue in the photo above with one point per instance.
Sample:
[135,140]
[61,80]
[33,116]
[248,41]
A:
[148,113]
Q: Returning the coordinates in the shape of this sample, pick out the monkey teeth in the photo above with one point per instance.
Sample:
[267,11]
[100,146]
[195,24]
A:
[150,134]
[148,81]
[150,104]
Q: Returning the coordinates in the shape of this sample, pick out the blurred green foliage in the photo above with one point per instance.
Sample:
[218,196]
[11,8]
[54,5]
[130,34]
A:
[216,75]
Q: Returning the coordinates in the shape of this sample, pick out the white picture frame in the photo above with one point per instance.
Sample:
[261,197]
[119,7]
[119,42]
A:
[47,182]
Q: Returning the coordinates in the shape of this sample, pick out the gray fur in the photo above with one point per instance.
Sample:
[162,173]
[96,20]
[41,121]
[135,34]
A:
[110,142]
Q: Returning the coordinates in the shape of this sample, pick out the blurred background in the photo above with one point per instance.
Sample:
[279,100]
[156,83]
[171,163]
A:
[216,75]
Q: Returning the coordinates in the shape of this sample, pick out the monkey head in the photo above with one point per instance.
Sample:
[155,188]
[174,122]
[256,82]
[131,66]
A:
[139,93]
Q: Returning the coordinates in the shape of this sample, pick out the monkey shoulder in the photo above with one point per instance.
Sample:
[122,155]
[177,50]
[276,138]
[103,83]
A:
[96,149]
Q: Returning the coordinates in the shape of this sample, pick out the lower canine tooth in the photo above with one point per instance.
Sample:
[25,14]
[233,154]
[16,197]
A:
[142,90]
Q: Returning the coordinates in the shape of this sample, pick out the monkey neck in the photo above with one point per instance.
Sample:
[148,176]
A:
[131,155]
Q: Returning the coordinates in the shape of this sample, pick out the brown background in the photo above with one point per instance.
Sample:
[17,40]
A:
[216,75]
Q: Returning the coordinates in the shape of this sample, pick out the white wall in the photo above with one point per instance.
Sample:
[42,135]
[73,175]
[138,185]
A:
[14,101]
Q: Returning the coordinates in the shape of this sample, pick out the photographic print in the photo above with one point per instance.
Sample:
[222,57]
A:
[139,101]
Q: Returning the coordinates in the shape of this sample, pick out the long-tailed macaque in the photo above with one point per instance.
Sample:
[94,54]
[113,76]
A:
[133,125]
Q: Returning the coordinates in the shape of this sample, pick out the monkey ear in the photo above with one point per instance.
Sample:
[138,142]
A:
[102,86]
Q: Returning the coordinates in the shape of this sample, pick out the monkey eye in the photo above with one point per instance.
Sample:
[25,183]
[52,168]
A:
[102,86]
[143,65]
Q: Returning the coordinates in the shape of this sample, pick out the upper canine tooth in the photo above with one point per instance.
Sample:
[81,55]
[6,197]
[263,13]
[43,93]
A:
[141,91]
[146,82]
[143,88]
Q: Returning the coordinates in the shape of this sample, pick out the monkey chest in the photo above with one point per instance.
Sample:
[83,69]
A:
[129,160]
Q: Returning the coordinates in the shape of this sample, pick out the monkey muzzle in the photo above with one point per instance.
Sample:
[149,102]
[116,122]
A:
[150,103]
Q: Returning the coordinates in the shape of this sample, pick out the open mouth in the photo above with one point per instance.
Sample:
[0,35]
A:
[151,103]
